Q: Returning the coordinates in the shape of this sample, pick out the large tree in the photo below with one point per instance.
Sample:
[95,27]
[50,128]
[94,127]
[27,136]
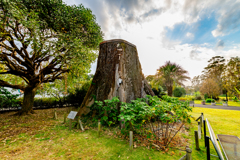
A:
[215,69]
[171,73]
[231,75]
[210,87]
[39,39]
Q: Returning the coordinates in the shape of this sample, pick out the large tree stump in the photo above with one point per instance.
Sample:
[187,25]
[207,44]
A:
[118,73]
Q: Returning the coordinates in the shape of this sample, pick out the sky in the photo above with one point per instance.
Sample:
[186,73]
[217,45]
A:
[187,32]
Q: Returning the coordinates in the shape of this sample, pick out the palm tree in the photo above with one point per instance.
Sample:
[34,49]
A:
[171,73]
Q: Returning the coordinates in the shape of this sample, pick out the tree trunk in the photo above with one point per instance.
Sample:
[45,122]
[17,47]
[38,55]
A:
[170,90]
[118,73]
[28,100]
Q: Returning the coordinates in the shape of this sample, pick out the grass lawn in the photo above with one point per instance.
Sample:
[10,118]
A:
[38,136]
[222,122]
[230,103]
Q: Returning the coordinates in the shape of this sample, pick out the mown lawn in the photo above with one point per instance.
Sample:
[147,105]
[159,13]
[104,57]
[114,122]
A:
[39,136]
[222,122]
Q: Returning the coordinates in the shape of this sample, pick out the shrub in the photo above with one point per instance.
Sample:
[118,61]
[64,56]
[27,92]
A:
[205,96]
[210,100]
[144,116]
[179,91]
[198,97]
[7,99]
[235,99]
[78,95]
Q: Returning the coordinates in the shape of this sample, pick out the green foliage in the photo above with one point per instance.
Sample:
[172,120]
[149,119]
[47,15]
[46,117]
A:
[78,94]
[105,111]
[140,110]
[179,91]
[205,96]
[7,99]
[234,99]
[170,74]
[197,95]
[158,91]
[210,100]
[42,40]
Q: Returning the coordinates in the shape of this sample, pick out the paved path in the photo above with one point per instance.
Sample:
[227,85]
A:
[217,107]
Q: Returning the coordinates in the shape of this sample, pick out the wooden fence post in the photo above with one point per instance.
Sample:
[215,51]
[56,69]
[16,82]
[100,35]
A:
[199,130]
[70,124]
[80,124]
[204,132]
[65,117]
[189,153]
[208,148]
[196,140]
[55,114]
[99,128]
[131,140]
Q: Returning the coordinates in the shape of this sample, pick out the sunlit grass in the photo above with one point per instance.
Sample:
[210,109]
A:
[53,140]
[40,137]
[222,121]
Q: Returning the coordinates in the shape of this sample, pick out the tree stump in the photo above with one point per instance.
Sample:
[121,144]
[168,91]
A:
[118,73]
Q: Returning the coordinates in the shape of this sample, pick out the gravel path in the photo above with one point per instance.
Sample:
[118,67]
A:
[217,107]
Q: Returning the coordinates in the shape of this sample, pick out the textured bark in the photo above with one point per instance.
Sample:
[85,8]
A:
[118,73]
[170,90]
[28,100]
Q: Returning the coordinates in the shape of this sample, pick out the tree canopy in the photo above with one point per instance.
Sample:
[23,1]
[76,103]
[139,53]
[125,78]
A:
[43,39]
[171,73]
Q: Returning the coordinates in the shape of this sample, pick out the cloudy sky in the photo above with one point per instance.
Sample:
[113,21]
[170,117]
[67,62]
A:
[188,32]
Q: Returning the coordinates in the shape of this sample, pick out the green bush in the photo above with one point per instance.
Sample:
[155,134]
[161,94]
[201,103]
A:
[234,99]
[7,99]
[78,95]
[210,100]
[142,113]
[179,91]
[205,96]
[198,98]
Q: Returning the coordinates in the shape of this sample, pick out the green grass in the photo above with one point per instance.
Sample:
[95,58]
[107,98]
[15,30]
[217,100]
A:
[56,141]
[222,122]
[45,138]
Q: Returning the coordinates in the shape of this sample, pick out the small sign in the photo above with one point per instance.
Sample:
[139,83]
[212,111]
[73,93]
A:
[72,115]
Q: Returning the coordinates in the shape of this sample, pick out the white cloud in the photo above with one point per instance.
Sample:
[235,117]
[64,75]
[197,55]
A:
[190,35]
[135,20]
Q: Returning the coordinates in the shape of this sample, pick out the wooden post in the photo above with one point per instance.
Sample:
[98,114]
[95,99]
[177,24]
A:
[55,114]
[131,140]
[201,123]
[189,153]
[196,140]
[65,117]
[199,130]
[208,148]
[80,123]
[99,128]
[204,131]
[70,124]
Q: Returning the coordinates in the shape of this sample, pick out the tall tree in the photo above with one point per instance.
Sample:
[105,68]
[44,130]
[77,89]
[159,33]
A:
[171,73]
[231,75]
[210,87]
[39,40]
[215,69]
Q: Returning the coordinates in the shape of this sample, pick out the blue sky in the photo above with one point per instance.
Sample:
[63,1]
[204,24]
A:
[188,32]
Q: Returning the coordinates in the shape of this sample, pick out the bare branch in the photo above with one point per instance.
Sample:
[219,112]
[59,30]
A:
[6,84]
